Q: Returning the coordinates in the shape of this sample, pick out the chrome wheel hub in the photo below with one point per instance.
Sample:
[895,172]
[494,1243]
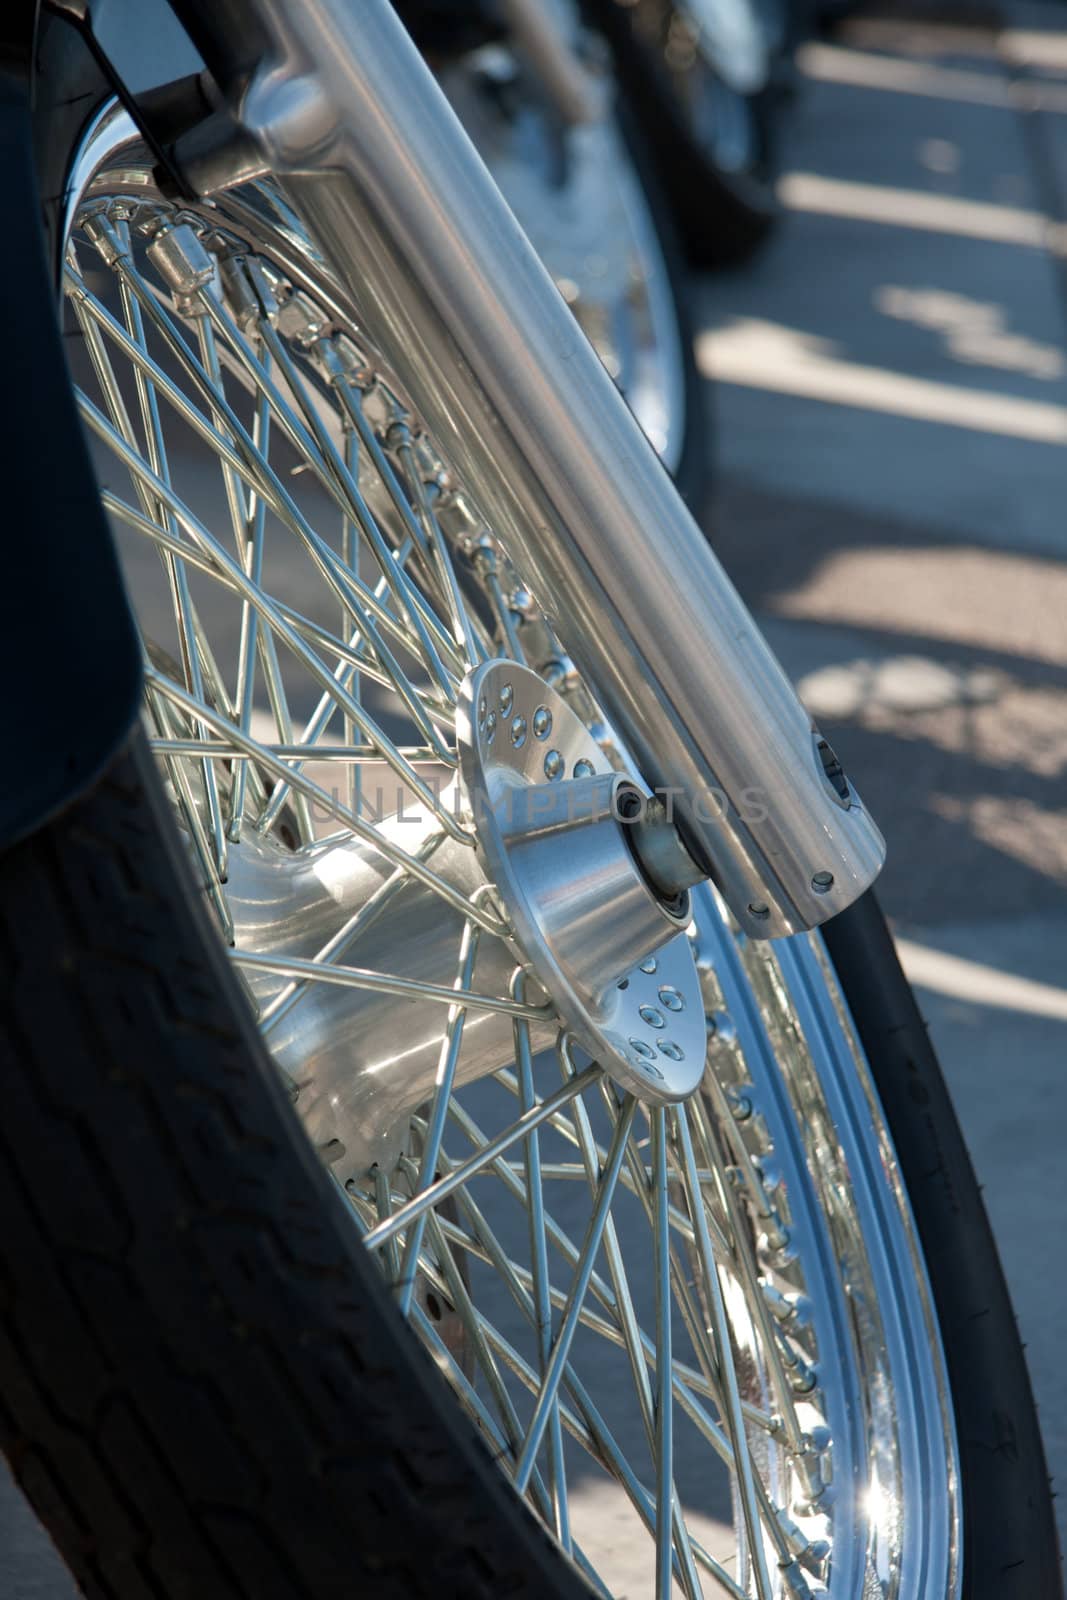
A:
[556,831]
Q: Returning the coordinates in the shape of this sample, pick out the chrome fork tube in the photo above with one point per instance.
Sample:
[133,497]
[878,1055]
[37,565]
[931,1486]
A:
[342,110]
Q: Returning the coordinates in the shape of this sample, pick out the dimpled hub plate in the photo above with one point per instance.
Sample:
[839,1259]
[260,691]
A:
[648,1032]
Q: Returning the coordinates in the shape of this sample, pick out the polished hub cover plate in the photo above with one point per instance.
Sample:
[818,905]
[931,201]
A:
[614,957]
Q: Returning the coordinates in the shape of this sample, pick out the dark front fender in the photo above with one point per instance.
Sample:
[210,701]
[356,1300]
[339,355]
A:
[70,666]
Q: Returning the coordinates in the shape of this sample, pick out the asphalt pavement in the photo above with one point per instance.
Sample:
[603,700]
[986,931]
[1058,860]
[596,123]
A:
[891,497]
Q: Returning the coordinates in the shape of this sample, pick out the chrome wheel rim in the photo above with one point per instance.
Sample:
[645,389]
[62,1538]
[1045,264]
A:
[745,1256]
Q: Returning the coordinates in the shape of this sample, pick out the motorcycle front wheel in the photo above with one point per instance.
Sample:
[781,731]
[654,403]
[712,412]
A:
[334,1261]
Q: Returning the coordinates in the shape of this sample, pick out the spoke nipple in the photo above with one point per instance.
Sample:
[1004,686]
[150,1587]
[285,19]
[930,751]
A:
[808,1464]
[248,293]
[721,1029]
[781,1307]
[816,1558]
[796,1540]
[776,1235]
[301,320]
[740,1104]
[770,1175]
[182,260]
[109,246]
[804,1378]
[351,364]
[397,434]
[814,1501]
[795,1581]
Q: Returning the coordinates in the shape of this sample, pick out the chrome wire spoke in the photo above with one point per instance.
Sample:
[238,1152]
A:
[687,1378]
[364,830]
[735,1426]
[345,937]
[451,1045]
[248,536]
[307,657]
[672,1538]
[190,634]
[586,1425]
[462,630]
[709,1381]
[347,674]
[771,1338]
[243,456]
[687,1381]
[352,755]
[635,1176]
[349,390]
[564,1336]
[582,1421]
[532,1176]
[383,983]
[351,657]
[206,859]
[558,1237]
[350,557]
[450,1281]
[250,551]
[323,458]
[593,1433]
[664,1404]
[453,1285]
[494,1147]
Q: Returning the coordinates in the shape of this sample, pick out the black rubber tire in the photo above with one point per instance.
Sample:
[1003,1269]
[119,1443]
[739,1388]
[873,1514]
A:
[1010,1547]
[722,218]
[205,1392]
